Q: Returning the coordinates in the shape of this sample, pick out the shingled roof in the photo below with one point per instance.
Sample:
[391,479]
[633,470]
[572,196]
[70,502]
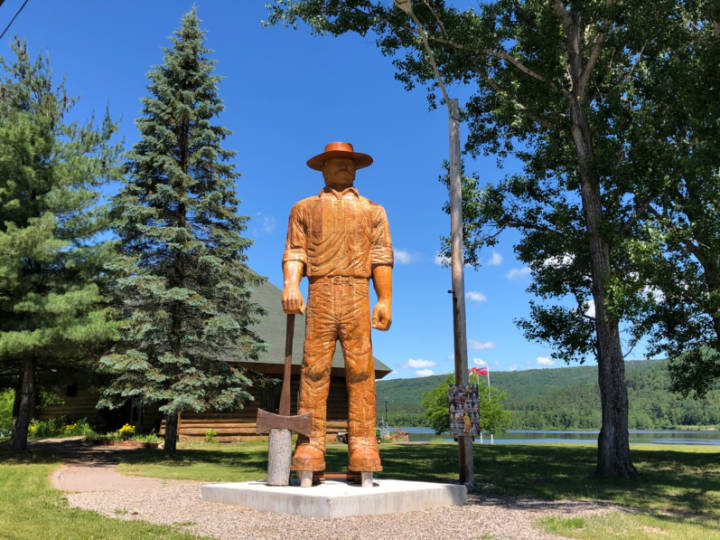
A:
[271,329]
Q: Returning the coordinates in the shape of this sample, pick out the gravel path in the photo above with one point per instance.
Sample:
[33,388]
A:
[92,483]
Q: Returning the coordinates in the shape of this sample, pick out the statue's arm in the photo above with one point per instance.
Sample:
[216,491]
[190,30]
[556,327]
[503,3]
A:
[294,261]
[292,300]
[382,281]
[381,258]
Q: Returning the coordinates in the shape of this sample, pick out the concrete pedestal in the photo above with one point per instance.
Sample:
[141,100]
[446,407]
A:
[335,498]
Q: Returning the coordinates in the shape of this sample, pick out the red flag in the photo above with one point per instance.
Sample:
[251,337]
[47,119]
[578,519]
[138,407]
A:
[482,371]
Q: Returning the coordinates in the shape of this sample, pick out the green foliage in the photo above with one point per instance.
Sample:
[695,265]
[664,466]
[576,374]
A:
[210,435]
[493,417]
[58,427]
[182,279]
[437,409]
[7,397]
[51,305]
[566,398]
[54,314]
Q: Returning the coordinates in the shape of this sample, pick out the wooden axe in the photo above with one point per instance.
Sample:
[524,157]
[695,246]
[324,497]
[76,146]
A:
[280,425]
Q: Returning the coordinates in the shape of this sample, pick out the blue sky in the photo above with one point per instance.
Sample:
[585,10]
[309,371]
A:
[286,95]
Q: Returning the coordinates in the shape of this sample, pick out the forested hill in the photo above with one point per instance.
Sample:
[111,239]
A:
[565,398]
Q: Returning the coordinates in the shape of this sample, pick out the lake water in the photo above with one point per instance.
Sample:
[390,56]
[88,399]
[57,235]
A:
[539,436]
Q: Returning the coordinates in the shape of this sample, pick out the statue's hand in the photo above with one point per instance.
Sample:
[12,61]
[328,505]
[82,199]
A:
[382,315]
[292,301]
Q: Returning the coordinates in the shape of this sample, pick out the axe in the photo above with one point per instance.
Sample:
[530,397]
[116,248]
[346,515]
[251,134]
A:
[280,425]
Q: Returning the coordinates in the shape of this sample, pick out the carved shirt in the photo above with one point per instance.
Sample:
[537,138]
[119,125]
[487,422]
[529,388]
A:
[338,234]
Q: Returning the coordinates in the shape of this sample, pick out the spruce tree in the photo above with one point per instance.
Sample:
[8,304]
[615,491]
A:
[183,278]
[52,310]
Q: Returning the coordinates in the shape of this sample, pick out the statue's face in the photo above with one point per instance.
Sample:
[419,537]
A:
[339,173]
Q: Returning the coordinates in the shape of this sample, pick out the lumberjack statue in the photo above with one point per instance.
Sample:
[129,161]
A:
[340,241]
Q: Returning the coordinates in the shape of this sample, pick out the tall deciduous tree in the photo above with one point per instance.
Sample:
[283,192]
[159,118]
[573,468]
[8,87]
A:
[555,85]
[183,279]
[676,257]
[52,311]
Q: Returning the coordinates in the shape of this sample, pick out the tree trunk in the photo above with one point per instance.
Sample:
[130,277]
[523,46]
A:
[171,429]
[24,413]
[16,402]
[613,441]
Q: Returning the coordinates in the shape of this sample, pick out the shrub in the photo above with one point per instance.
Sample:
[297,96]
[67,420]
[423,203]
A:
[57,427]
[148,438]
[210,435]
[126,432]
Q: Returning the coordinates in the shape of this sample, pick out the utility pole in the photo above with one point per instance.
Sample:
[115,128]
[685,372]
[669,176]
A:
[457,262]
[456,235]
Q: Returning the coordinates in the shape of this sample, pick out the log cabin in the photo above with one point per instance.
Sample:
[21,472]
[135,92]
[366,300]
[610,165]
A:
[78,400]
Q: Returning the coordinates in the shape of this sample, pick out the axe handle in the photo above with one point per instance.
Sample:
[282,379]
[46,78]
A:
[284,409]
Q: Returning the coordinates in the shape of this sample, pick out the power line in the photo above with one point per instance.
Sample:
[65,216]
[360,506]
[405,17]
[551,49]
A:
[13,19]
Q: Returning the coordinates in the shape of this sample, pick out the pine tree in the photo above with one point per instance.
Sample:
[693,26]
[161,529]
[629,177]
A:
[183,278]
[52,310]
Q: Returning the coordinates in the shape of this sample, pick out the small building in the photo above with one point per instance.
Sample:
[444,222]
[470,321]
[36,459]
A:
[230,425]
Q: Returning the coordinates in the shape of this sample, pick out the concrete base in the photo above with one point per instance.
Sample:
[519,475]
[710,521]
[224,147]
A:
[335,498]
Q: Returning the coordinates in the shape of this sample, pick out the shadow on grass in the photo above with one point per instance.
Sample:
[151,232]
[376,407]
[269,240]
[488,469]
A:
[673,483]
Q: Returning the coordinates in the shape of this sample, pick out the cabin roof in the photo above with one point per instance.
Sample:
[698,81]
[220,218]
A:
[271,329]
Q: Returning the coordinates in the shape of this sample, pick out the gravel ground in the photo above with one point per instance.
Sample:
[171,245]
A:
[98,487]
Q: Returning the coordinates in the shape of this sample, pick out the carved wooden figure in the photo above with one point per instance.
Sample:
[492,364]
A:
[340,241]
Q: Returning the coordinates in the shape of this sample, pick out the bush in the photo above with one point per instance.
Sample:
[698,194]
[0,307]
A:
[210,435]
[7,398]
[57,427]
[126,432]
[148,438]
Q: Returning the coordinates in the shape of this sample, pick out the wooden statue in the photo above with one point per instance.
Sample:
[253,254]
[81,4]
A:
[339,240]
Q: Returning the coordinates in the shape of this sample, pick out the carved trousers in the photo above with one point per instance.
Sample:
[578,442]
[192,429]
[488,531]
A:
[338,308]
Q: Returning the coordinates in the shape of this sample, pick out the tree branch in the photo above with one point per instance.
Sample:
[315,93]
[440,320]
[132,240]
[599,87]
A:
[594,54]
[495,86]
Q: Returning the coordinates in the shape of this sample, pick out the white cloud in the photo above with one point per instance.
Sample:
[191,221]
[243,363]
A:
[478,345]
[403,256]
[442,260]
[495,260]
[518,272]
[268,223]
[451,356]
[416,363]
[544,361]
[479,362]
[513,367]
[590,311]
[424,372]
[475,296]
[560,261]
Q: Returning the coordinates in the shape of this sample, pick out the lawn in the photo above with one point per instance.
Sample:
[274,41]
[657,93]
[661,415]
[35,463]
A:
[672,478]
[677,491]
[676,494]
[32,509]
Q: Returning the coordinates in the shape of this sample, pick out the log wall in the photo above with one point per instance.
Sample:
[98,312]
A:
[238,425]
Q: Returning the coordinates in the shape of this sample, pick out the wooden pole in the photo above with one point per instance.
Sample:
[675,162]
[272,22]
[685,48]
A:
[458,283]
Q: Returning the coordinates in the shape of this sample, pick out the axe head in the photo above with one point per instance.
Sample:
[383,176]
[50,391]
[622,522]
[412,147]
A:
[302,423]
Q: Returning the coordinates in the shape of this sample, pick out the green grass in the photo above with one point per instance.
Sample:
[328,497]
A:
[632,526]
[676,493]
[672,478]
[32,509]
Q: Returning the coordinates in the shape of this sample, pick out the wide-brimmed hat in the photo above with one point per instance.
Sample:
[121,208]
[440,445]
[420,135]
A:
[337,150]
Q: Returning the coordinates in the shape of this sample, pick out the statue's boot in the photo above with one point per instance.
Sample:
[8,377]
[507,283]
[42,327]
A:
[308,457]
[363,454]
